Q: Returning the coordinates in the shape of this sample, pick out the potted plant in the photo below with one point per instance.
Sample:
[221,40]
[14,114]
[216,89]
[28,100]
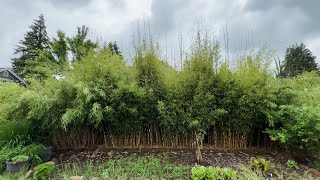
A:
[18,163]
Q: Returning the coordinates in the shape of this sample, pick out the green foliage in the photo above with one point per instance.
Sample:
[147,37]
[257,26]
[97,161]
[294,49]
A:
[315,164]
[60,47]
[298,59]
[42,67]
[16,149]
[292,164]
[259,164]
[213,173]
[298,121]
[44,171]
[100,92]
[34,41]
[79,45]
[19,158]
[127,168]
[300,128]
[114,48]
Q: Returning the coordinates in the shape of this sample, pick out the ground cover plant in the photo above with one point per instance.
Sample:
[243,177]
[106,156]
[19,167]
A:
[151,167]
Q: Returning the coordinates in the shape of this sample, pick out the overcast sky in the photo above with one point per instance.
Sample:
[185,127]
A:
[251,23]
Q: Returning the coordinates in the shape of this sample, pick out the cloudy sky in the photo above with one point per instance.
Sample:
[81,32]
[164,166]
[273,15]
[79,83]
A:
[250,23]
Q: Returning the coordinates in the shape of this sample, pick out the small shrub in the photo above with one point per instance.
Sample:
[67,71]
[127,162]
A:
[259,164]
[292,164]
[315,165]
[213,173]
[19,158]
[43,171]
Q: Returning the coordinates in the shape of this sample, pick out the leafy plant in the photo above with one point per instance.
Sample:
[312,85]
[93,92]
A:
[19,158]
[213,173]
[259,164]
[292,164]
[315,165]
[44,171]
[13,149]
[126,168]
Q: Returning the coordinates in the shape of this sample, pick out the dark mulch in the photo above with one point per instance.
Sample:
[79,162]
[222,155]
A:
[221,158]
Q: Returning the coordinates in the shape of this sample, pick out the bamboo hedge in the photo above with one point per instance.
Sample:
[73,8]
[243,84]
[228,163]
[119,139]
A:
[104,101]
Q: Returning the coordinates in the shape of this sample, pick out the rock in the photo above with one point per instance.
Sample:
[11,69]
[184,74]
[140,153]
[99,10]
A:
[76,178]
[97,151]
[110,153]
[55,160]
[95,178]
[314,172]
[61,157]
[29,174]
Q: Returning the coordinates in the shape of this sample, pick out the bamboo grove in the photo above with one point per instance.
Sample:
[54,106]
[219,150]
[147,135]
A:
[102,100]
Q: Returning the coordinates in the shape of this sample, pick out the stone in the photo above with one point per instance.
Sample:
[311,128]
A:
[95,178]
[314,172]
[29,174]
[76,178]
[303,166]
[110,153]
[61,157]
[55,160]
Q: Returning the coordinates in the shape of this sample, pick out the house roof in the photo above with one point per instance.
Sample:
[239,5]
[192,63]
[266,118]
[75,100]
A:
[14,74]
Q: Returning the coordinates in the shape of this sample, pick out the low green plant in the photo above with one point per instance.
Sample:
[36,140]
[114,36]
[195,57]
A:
[246,173]
[315,165]
[259,164]
[213,173]
[12,149]
[292,164]
[126,168]
[44,171]
[19,158]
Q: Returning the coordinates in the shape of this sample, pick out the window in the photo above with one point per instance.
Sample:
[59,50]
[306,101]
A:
[5,73]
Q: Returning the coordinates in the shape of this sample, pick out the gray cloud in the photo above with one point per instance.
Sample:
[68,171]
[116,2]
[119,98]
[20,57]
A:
[251,23]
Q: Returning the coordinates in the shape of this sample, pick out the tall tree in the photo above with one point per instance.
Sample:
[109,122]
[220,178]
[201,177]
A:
[79,46]
[50,61]
[297,60]
[34,41]
[114,48]
[60,47]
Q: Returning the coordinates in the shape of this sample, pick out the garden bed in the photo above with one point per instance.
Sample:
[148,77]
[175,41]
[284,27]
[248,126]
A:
[183,157]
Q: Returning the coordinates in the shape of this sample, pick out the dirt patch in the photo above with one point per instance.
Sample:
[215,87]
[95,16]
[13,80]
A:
[232,158]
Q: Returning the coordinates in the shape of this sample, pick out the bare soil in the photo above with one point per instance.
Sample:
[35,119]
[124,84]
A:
[231,158]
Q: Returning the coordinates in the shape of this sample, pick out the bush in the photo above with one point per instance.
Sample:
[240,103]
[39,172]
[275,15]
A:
[298,120]
[292,164]
[213,173]
[300,128]
[259,164]
[44,171]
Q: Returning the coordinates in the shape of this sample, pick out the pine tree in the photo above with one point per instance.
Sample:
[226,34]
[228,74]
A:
[298,59]
[34,41]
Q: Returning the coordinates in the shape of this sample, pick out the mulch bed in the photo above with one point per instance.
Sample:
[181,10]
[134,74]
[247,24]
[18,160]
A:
[221,158]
